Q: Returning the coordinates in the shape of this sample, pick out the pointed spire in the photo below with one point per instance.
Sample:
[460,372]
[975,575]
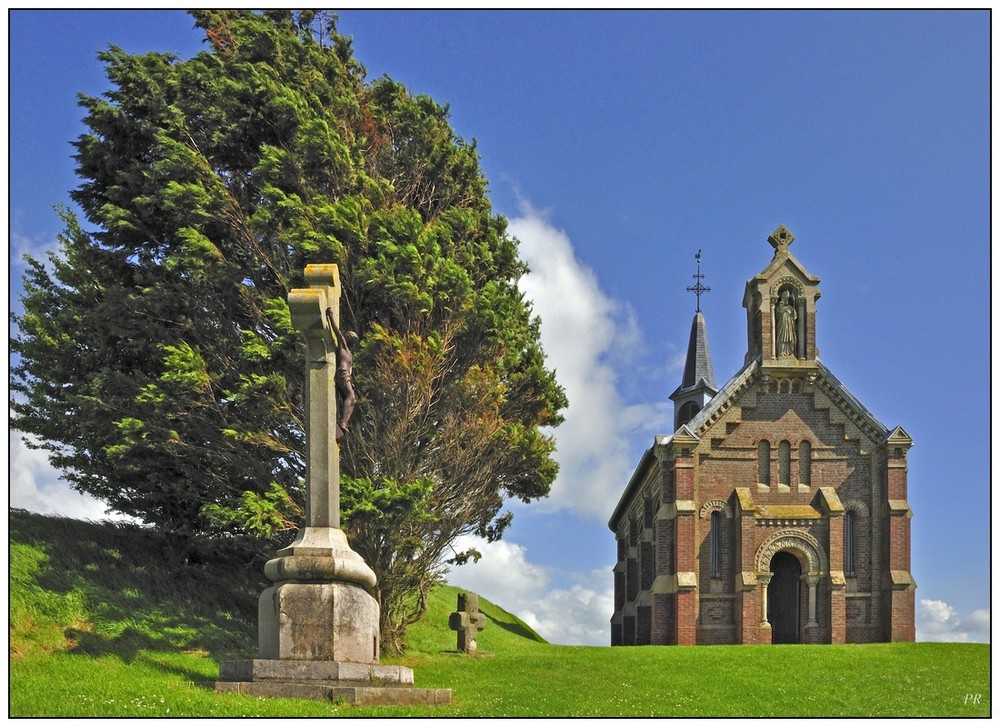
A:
[698,383]
[698,365]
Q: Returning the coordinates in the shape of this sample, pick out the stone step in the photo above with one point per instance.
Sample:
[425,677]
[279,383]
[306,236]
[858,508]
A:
[298,670]
[400,695]
[355,684]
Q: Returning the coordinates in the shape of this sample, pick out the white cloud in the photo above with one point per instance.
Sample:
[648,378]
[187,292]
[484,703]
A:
[502,571]
[586,336]
[578,615]
[35,486]
[938,621]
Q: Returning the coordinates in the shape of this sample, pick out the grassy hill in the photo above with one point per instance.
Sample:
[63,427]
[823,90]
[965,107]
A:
[110,620]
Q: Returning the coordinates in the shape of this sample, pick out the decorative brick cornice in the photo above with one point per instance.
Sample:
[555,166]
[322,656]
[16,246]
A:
[722,401]
[849,405]
[787,515]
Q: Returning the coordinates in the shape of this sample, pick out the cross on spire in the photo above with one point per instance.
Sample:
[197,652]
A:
[698,288]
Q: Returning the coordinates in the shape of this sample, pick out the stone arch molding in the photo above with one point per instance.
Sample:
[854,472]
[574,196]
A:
[713,505]
[857,506]
[796,540]
[789,281]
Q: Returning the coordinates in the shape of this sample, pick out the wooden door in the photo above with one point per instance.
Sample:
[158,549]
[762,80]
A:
[783,599]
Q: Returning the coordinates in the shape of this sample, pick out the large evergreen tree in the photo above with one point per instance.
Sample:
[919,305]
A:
[155,359]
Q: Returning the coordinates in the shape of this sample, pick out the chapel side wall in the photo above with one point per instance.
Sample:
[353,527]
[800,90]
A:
[635,570]
[663,616]
[617,618]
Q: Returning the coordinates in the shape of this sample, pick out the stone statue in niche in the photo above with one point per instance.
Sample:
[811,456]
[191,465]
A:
[785,316]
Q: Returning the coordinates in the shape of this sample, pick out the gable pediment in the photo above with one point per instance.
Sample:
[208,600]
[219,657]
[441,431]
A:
[899,436]
[757,380]
[787,265]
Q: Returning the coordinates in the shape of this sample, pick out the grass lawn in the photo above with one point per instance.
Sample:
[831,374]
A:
[104,622]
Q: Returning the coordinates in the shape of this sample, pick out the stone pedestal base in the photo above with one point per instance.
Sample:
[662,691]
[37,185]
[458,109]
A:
[321,605]
[318,621]
[355,684]
[318,631]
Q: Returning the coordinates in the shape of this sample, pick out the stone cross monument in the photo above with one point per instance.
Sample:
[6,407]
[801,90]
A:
[321,604]
[318,627]
[467,621]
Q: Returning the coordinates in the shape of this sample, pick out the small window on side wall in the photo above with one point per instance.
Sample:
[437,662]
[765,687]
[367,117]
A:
[716,544]
[849,543]
[784,462]
[764,462]
[805,463]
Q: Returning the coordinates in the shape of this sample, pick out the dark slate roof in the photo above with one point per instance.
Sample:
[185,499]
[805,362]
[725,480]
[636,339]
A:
[698,365]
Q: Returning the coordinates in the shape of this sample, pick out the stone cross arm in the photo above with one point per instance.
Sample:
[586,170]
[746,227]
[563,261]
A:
[308,306]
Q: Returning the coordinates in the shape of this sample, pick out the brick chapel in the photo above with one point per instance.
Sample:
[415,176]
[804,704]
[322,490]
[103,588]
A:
[776,512]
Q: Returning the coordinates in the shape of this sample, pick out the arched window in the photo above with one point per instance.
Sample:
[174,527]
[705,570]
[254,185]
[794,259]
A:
[764,462]
[784,462]
[805,463]
[688,412]
[716,544]
[849,543]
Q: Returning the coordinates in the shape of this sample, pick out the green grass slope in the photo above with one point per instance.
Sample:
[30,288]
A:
[110,621]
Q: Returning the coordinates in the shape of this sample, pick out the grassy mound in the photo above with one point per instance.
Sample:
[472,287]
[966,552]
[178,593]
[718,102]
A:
[109,620]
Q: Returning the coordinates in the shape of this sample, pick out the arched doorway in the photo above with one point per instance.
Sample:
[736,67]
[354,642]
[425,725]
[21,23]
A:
[783,598]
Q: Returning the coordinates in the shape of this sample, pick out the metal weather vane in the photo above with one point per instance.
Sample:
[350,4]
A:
[698,288]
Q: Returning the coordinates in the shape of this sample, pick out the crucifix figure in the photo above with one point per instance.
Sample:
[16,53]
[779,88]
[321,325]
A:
[345,373]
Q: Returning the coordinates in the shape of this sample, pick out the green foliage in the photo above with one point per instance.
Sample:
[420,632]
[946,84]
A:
[267,514]
[389,523]
[131,631]
[155,358]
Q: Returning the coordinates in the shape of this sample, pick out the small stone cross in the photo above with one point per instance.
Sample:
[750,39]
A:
[467,621]
[781,238]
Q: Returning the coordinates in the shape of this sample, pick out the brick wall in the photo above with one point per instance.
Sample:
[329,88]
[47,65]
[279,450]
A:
[631,579]
[660,618]
[643,625]
[839,457]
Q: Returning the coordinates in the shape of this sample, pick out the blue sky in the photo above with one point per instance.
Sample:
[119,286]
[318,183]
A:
[618,143]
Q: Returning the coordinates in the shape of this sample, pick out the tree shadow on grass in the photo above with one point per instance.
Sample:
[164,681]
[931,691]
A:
[143,594]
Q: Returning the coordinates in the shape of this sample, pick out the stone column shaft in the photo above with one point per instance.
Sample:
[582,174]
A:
[764,579]
[813,582]
[308,308]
